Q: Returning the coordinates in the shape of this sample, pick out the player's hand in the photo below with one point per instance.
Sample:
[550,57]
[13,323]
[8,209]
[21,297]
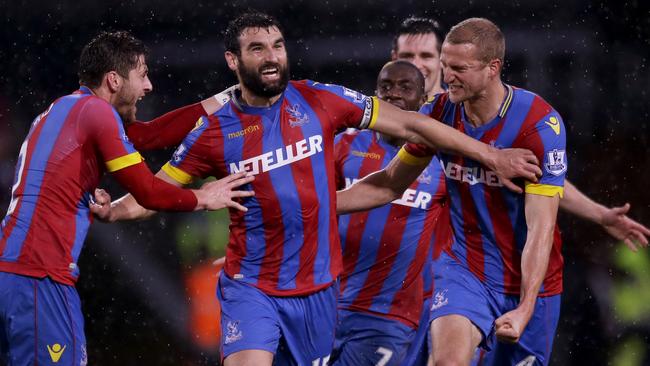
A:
[513,163]
[215,102]
[220,262]
[510,326]
[220,193]
[617,224]
[100,205]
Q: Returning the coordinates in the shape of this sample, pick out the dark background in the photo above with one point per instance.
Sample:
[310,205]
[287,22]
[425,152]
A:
[588,59]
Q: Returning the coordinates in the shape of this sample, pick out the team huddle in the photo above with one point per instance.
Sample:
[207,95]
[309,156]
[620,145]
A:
[414,227]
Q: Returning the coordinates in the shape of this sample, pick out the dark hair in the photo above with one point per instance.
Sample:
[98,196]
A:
[482,33]
[419,78]
[246,20]
[109,51]
[415,25]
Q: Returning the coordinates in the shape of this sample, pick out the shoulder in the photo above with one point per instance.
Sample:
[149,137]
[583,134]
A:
[437,103]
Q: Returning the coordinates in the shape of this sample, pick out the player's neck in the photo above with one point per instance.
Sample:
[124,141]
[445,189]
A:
[253,100]
[485,107]
[102,92]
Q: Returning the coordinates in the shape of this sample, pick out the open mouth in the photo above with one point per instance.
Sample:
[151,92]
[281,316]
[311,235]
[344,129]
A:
[270,72]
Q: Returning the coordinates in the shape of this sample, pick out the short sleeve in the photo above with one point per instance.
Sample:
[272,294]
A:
[547,140]
[191,158]
[347,107]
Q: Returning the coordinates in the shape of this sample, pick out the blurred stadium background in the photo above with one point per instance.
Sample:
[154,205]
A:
[148,288]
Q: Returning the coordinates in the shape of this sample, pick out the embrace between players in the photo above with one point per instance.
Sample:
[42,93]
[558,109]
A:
[463,255]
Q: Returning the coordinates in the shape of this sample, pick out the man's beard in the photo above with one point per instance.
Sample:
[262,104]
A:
[252,79]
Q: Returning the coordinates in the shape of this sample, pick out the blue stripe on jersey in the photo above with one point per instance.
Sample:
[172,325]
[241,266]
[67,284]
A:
[368,248]
[406,253]
[456,213]
[82,222]
[36,171]
[493,262]
[519,107]
[283,182]
[250,265]
[128,146]
[318,163]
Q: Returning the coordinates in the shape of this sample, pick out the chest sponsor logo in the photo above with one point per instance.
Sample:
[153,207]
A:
[55,351]
[277,158]
[554,123]
[556,164]
[473,175]
[297,117]
[411,197]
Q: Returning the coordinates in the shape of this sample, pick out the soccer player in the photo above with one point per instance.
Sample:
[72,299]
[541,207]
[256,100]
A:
[385,250]
[278,289]
[418,40]
[68,148]
[503,242]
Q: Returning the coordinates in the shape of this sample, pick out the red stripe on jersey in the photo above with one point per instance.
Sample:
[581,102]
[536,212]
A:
[303,177]
[33,141]
[475,254]
[538,109]
[263,187]
[503,230]
[436,112]
[414,272]
[358,220]
[387,250]
[328,142]
[60,234]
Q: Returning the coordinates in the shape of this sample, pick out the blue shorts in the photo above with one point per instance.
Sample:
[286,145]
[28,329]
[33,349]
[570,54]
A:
[298,330]
[365,339]
[41,322]
[458,291]
[418,351]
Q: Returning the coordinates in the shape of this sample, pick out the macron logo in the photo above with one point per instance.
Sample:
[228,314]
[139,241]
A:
[280,157]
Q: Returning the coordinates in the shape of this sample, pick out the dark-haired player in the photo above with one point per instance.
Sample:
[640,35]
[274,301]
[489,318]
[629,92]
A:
[278,290]
[69,146]
[418,40]
[386,251]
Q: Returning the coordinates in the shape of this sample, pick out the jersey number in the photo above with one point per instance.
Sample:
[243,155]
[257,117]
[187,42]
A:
[386,355]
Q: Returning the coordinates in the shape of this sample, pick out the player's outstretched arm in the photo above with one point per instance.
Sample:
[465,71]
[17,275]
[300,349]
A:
[212,196]
[613,219]
[170,128]
[378,188]
[541,213]
[417,128]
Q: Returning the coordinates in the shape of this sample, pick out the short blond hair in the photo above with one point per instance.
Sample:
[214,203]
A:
[483,34]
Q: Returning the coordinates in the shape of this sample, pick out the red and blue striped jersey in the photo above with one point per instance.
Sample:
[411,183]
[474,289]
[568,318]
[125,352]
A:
[385,249]
[488,220]
[68,148]
[287,243]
